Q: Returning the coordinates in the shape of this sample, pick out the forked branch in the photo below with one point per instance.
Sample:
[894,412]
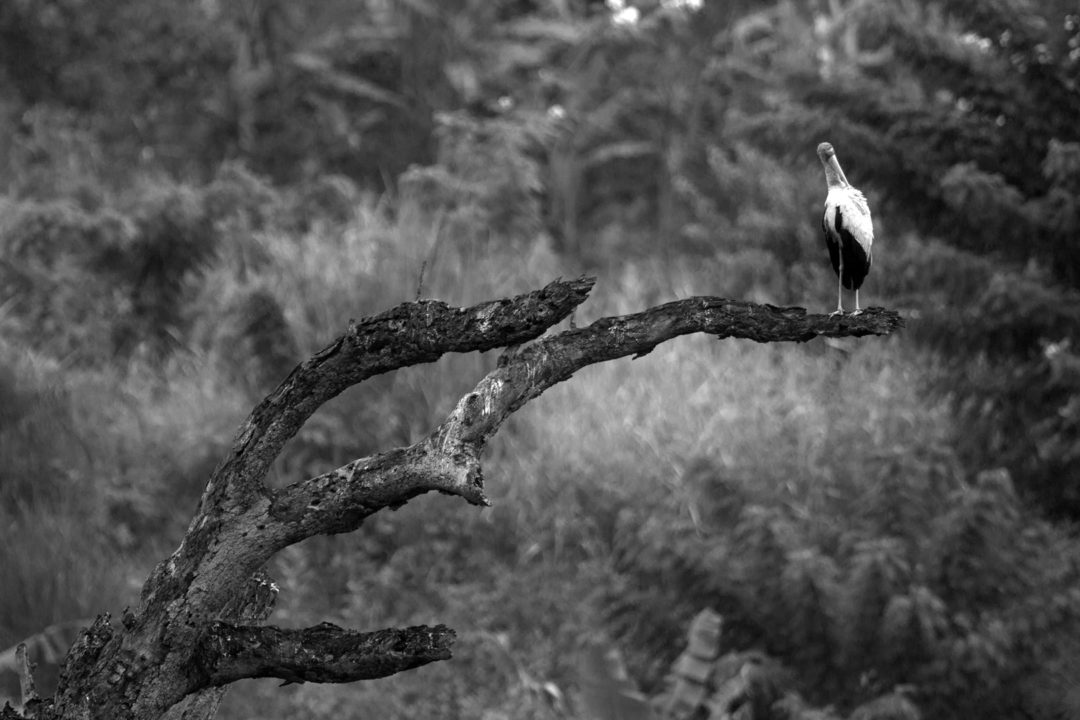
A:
[198,625]
[448,460]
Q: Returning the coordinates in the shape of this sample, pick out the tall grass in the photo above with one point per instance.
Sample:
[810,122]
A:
[55,557]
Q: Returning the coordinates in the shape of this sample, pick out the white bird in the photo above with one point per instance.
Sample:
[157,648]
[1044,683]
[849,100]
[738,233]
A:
[849,231]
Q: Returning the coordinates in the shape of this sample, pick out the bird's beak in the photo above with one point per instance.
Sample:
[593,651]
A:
[832,168]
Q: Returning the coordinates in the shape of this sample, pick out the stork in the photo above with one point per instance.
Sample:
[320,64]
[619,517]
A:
[849,232]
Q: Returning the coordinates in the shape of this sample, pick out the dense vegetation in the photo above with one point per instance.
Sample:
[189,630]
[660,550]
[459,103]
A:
[197,195]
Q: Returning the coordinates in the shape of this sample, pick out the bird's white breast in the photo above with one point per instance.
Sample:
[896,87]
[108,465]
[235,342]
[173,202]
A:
[854,212]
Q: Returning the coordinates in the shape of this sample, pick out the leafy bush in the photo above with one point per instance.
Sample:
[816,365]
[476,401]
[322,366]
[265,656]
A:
[58,555]
[949,613]
[56,296]
[173,239]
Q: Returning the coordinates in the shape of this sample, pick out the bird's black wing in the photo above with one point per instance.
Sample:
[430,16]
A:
[856,260]
[832,240]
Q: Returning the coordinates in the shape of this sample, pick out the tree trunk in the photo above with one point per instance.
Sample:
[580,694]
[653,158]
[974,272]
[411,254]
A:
[199,626]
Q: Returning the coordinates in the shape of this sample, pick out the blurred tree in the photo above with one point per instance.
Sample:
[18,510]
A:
[962,117]
[957,128]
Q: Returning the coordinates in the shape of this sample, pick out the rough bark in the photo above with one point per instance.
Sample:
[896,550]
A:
[198,625]
[324,653]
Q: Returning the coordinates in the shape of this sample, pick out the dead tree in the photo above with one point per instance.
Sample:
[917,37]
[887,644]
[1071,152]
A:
[198,626]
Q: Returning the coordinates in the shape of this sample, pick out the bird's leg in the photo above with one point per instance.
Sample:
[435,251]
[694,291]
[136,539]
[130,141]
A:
[858,310]
[839,291]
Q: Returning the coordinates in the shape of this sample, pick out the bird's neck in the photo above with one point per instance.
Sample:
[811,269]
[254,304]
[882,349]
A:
[834,175]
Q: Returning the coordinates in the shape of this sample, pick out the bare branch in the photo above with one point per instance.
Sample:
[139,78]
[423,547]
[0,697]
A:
[410,334]
[449,459]
[325,653]
[340,500]
[526,374]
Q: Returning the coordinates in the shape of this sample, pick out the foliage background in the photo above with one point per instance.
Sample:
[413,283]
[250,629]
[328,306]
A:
[199,194]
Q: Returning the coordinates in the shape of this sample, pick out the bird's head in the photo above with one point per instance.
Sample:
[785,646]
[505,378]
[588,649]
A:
[833,174]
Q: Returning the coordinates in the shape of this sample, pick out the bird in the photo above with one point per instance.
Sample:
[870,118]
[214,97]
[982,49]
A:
[849,231]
